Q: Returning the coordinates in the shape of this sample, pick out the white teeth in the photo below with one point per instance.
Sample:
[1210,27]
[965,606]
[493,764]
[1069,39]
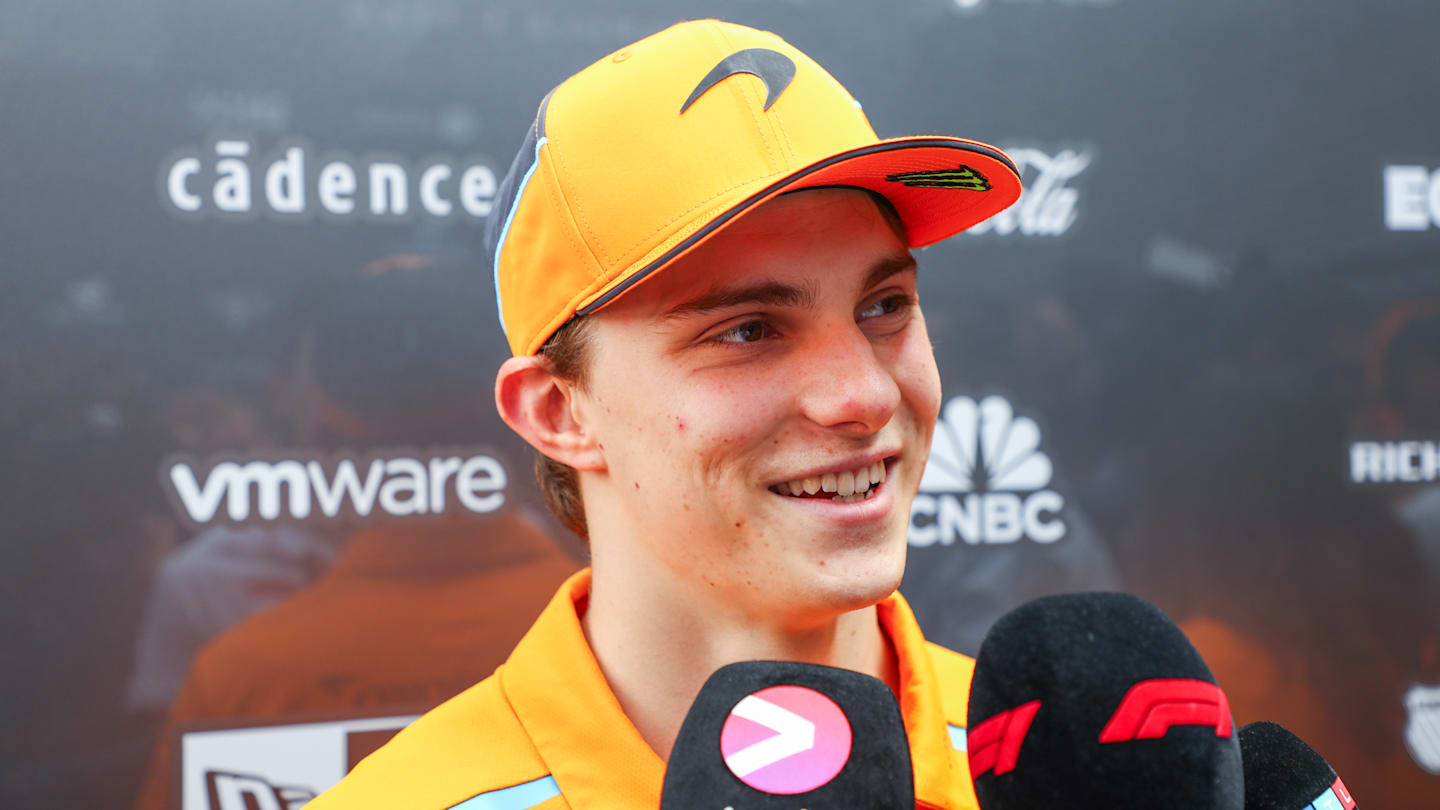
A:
[849,486]
[854,497]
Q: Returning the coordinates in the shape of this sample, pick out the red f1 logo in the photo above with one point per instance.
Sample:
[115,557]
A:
[995,743]
[1152,708]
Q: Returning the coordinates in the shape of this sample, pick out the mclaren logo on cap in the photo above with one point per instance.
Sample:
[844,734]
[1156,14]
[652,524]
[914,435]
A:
[774,68]
[962,177]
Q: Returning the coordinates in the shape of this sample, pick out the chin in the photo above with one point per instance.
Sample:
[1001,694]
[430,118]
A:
[850,582]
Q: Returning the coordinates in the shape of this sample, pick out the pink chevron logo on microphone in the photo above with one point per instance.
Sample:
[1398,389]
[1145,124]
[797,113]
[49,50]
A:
[785,740]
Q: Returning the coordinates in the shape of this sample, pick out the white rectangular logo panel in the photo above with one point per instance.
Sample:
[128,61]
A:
[275,767]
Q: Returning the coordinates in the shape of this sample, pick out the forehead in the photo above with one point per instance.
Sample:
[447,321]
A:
[827,236]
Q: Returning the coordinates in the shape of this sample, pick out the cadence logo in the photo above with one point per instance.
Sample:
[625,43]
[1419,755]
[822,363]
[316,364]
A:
[1412,198]
[1394,462]
[1047,206]
[785,740]
[398,486]
[1422,726]
[231,180]
[985,480]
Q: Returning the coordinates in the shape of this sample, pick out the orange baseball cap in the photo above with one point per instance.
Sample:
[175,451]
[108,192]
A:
[642,156]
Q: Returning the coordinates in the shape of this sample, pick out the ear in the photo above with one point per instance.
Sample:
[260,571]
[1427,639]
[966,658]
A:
[542,408]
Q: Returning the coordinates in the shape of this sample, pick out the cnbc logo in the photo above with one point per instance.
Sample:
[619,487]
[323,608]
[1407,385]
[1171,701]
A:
[986,480]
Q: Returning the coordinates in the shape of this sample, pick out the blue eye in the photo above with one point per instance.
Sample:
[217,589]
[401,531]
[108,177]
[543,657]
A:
[748,332]
[886,306]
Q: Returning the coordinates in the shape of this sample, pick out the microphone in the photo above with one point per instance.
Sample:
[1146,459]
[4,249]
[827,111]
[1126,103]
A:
[779,735]
[1097,700]
[1283,773]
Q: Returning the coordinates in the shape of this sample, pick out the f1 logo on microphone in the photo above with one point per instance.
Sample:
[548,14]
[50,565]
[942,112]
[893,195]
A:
[1152,708]
[785,740]
[995,744]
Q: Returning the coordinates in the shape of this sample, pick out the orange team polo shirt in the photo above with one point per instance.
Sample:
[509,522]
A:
[545,731]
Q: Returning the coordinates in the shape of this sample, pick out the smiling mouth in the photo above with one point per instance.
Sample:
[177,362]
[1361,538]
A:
[850,486]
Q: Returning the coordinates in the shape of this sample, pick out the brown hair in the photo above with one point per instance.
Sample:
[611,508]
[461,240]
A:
[567,355]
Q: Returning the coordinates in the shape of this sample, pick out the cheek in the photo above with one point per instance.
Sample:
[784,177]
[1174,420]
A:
[724,423]
[919,377]
[684,436]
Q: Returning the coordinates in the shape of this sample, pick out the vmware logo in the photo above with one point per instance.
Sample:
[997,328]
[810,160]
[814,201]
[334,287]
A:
[299,488]
[986,480]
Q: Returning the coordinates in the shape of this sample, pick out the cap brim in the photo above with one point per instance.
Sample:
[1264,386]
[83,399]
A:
[939,186]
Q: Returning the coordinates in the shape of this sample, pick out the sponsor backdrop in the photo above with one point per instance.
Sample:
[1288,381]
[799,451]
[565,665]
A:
[258,510]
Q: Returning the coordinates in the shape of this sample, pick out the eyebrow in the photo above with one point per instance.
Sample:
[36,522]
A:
[774,293]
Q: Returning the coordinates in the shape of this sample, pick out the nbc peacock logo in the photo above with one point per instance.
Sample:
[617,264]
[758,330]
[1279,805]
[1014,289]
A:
[986,480]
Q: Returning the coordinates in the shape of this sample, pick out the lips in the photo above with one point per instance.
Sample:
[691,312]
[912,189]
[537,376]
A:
[845,486]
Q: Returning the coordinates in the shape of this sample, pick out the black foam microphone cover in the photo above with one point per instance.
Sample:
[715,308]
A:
[1097,700]
[1283,773]
[779,735]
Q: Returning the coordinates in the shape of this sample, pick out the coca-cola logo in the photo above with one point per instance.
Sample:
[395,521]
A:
[1050,203]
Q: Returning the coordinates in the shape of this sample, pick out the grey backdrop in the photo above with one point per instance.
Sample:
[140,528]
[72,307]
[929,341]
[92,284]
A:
[1217,284]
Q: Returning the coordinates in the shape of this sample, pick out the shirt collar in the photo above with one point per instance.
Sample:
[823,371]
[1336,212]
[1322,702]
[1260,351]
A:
[599,759]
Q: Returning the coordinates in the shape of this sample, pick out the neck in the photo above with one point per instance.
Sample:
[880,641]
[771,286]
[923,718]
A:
[657,644]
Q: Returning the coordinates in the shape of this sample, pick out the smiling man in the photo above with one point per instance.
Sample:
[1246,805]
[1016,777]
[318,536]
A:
[702,264]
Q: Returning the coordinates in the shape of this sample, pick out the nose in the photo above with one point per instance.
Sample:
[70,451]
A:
[847,386]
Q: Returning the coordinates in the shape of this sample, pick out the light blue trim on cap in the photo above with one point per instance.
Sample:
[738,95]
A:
[957,738]
[518,797]
[505,230]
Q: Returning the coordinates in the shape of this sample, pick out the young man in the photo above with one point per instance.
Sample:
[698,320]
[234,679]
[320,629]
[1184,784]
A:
[702,265]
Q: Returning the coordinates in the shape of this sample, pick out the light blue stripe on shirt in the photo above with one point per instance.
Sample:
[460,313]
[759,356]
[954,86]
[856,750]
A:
[957,738]
[518,797]
[1327,801]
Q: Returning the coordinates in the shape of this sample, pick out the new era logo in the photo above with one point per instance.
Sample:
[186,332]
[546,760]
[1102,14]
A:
[235,791]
